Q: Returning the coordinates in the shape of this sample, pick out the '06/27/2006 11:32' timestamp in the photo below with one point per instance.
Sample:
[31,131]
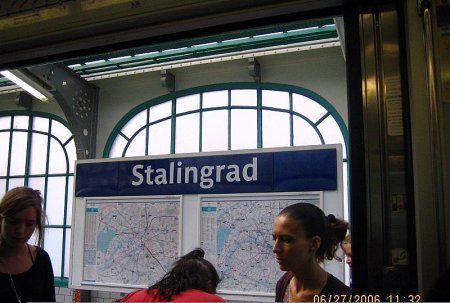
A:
[367,298]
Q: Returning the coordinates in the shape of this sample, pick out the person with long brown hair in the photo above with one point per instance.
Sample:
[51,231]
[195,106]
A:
[303,238]
[26,272]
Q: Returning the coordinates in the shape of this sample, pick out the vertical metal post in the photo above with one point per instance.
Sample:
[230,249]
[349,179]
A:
[424,8]
[390,257]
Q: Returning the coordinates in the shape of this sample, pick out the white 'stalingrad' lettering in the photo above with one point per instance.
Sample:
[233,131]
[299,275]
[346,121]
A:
[206,176]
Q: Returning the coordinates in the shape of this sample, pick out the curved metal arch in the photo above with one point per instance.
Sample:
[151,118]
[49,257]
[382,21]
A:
[38,114]
[51,136]
[226,86]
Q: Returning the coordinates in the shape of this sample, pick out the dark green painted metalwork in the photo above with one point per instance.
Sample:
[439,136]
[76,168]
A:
[173,125]
[47,164]
[222,44]
[259,119]
[61,282]
[64,228]
[8,168]
[200,131]
[229,119]
[28,151]
[147,132]
[291,121]
[31,114]
[229,87]
[219,44]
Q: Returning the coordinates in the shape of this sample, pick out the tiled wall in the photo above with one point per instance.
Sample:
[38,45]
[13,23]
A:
[104,296]
[67,295]
[63,294]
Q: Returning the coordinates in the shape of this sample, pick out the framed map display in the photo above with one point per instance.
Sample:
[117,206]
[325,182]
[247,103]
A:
[134,217]
[129,242]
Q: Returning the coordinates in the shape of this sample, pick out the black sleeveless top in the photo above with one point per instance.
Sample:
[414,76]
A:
[35,285]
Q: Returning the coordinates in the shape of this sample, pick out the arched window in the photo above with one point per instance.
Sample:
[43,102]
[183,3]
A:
[38,150]
[229,117]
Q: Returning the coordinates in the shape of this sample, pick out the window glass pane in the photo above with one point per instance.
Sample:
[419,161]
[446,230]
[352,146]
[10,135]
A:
[243,129]
[137,146]
[37,183]
[4,152]
[215,130]
[15,182]
[244,97]
[58,160]
[71,154]
[60,131]
[215,99]
[159,138]
[275,129]
[18,153]
[332,133]
[54,206]
[67,253]
[188,103]
[304,133]
[186,134]
[69,200]
[32,239]
[345,186]
[135,124]
[307,107]
[53,245]
[160,111]
[40,124]
[38,155]
[20,122]
[275,99]
[2,187]
[5,123]
[118,147]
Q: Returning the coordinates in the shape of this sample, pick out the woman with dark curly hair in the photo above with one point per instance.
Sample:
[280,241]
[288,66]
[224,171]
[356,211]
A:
[192,279]
[303,238]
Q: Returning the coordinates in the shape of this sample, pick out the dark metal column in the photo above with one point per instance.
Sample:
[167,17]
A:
[79,101]
[390,234]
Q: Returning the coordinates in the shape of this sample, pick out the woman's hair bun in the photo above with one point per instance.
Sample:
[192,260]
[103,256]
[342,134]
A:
[331,218]
[197,253]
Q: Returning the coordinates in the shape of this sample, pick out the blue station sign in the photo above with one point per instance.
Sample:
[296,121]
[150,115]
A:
[279,171]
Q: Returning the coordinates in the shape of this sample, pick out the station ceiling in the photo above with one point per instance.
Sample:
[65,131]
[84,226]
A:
[49,18]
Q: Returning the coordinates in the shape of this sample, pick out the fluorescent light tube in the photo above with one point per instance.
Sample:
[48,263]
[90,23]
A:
[24,85]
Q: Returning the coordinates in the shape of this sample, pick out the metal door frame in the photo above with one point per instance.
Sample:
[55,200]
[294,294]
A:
[382,213]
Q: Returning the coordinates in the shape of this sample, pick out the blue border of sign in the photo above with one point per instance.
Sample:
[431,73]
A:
[278,171]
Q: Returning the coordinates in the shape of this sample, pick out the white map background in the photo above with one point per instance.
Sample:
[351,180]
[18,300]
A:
[237,238]
[130,243]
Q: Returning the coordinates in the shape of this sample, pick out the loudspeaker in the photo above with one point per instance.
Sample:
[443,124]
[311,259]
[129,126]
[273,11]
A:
[24,99]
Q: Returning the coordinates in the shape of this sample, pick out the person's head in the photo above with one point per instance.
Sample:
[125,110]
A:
[302,234]
[191,271]
[21,215]
[346,246]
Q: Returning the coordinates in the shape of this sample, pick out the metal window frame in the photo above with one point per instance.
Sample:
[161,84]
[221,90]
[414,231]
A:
[259,87]
[65,227]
